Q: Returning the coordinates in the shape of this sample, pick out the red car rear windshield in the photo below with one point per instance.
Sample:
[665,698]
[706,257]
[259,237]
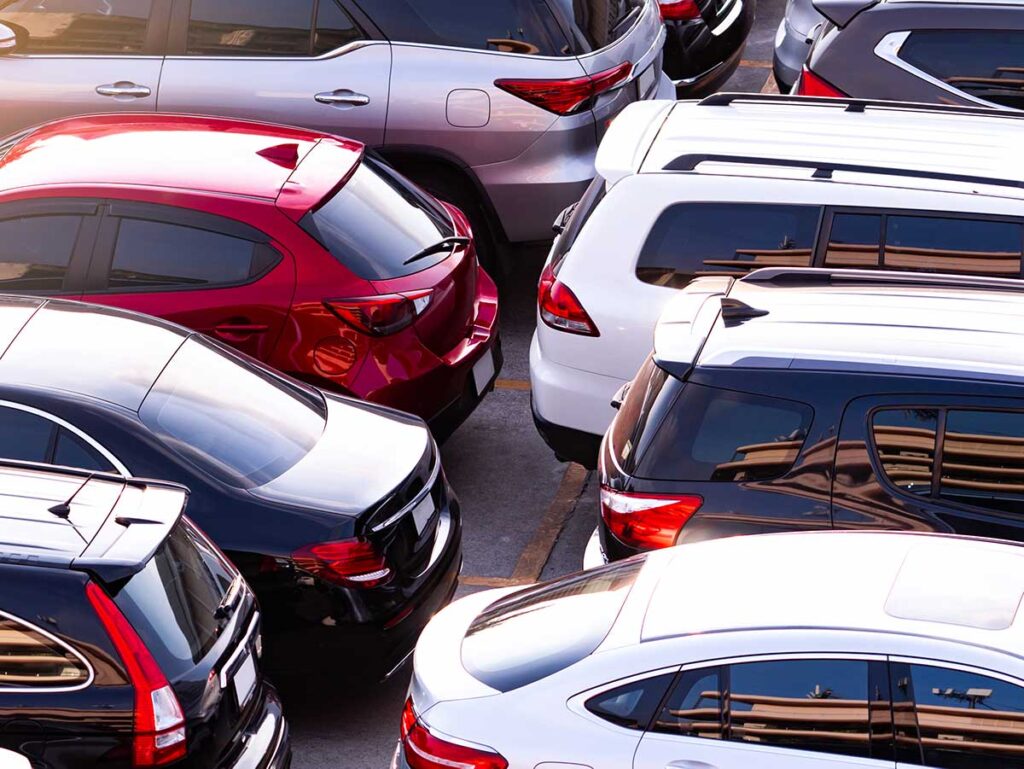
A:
[378,221]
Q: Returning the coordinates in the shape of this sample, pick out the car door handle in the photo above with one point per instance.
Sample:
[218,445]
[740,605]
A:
[233,331]
[343,97]
[124,88]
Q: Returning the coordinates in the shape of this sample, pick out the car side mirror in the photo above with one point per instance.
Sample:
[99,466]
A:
[8,39]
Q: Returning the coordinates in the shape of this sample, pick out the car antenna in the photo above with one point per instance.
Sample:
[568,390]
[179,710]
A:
[63,509]
[733,310]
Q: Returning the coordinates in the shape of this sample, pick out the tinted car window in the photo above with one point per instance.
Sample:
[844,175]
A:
[538,631]
[966,720]
[597,24]
[160,255]
[79,26]
[581,212]
[35,252]
[72,451]
[721,435]
[235,420]
[935,244]
[632,705]
[818,705]
[692,239]
[24,436]
[983,63]
[983,460]
[694,708]
[650,396]
[29,659]
[171,603]
[905,446]
[511,26]
[378,221]
[854,241]
[334,28]
[252,28]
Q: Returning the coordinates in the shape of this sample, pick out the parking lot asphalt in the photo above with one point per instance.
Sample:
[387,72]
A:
[526,515]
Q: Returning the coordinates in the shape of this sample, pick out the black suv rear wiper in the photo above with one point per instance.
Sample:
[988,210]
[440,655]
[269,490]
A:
[441,245]
[227,604]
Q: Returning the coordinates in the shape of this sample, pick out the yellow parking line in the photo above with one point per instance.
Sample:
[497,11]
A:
[770,86]
[512,384]
[756,64]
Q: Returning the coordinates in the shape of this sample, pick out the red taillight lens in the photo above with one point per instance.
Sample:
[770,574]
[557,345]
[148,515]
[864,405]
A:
[559,307]
[381,315]
[679,10]
[349,563]
[563,97]
[647,521]
[810,84]
[159,732]
[423,750]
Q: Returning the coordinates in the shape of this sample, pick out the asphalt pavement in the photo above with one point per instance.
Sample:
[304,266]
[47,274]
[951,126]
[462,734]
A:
[526,515]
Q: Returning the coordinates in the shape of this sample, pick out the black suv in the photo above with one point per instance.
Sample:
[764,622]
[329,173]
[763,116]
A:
[803,399]
[126,638]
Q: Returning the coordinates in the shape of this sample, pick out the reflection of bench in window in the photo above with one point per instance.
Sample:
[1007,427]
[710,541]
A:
[787,718]
[766,458]
[852,255]
[754,259]
[983,462]
[906,453]
[982,262]
[25,660]
[975,730]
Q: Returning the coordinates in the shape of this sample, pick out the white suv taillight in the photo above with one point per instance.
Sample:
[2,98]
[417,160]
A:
[159,725]
[559,307]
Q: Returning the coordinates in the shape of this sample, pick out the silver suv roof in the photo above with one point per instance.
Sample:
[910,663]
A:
[848,320]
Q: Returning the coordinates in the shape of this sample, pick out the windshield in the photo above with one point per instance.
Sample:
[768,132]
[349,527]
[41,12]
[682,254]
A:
[231,417]
[378,221]
[171,603]
[536,632]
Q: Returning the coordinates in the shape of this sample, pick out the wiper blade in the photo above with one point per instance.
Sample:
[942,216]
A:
[441,245]
[227,604]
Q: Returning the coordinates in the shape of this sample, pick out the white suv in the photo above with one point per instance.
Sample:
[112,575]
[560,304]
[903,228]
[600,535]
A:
[738,182]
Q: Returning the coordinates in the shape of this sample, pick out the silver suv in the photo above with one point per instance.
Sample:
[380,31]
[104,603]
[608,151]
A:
[495,105]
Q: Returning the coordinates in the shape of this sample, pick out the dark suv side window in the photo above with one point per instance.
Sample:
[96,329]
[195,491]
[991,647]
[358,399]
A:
[35,252]
[983,63]
[905,443]
[109,27]
[32,438]
[31,660]
[983,460]
[693,239]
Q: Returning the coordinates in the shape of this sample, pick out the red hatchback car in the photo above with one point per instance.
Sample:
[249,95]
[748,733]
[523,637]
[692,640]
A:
[295,247]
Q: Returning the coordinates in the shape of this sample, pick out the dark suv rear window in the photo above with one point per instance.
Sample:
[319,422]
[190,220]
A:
[596,24]
[171,603]
[378,221]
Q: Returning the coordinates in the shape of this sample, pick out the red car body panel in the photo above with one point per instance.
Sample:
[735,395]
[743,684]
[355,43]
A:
[269,177]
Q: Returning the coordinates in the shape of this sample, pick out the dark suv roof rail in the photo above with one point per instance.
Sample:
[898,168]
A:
[811,276]
[855,105]
[825,169]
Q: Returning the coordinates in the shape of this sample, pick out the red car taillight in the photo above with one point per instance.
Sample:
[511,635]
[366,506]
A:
[647,521]
[679,10]
[424,750]
[566,96]
[381,315]
[349,563]
[559,307]
[159,724]
[810,84]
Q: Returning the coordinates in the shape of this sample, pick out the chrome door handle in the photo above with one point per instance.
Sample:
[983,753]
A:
[124,88]
[350,98]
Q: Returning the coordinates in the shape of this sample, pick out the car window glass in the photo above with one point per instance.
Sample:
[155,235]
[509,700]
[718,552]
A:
[651,393]
[818,705]
[720,435]
[986,64]
[854,241]
[597,24]
[334,28]
[35,252]
[983,460]
[72,451]
[79,26]
[970,246]
[966,720]
[694,708]
[29,659]
[693,239]
[25,436]
[632,705]
[510,26]
[157,255]
[905,446]
[252,28]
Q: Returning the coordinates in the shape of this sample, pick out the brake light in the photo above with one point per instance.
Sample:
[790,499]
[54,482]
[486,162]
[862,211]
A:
[381,315]
[424,750]
[159,727]
[647,521]
[559,307]
[810,84]
[679,10]
[349,563]
[566,96]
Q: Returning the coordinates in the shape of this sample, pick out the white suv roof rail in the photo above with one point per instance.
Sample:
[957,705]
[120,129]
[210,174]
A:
[811,276]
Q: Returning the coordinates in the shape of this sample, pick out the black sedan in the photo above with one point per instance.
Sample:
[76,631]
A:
[337,512]
[705,42]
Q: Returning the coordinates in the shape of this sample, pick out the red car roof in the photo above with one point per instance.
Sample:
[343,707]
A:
[231,157]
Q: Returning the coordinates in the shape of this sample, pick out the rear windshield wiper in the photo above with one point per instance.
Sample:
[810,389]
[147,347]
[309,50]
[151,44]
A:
[441,245]
[227,604]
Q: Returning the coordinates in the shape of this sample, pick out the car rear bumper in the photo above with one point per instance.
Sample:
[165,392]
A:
[267,743]
[699,59]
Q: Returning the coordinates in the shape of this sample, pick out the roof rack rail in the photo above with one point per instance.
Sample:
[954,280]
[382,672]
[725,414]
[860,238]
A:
[819,276]
[855,105]
[825,169]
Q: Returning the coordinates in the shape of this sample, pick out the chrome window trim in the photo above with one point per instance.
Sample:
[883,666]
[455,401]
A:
[959,667]
[118,466]
[888,50]
[785,657]
[355,45]
[62,644]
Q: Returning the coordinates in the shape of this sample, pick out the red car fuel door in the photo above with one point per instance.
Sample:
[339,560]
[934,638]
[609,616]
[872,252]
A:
[215,275]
